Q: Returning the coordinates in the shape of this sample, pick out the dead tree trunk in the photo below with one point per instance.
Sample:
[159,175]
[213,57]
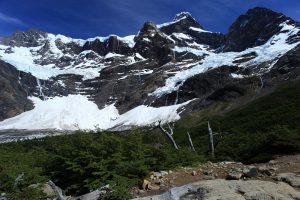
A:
[17,180]
[191,142]
[57,190]
[211,141]
[261,82]
[169,133]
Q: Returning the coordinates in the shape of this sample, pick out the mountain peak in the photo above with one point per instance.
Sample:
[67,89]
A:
[182,15]
[254,28]
[180,24]
[24,38]
[257,10]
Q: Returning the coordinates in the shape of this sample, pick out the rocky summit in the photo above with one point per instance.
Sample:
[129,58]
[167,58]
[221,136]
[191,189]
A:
[161,73]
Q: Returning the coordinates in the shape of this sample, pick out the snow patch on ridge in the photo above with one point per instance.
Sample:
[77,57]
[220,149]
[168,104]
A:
[27,59]
[112,55]
[23,58]
[271,50]
[127,39]
[199,30]
[77,112]
[182,36]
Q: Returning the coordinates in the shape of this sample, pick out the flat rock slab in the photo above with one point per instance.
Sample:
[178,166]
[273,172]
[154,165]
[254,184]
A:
[290,178]
[229,190]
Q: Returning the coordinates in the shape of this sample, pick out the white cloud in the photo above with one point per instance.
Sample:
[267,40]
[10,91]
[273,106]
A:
[9,19]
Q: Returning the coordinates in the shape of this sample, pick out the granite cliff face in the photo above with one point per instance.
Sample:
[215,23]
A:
[162,65]
[255,28]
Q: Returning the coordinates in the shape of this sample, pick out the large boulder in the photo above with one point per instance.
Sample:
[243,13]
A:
[290,178]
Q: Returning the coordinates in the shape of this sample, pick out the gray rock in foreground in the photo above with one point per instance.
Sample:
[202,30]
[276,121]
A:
[229,190]
[290,178]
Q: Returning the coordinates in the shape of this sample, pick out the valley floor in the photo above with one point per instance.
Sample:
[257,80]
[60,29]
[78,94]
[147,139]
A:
[19,135]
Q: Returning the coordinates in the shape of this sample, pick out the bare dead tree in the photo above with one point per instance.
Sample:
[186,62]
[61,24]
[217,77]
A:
[211,140]
[17,180]
[258,90]
[57,190]
[261,82]
[191,142]
[168,132]
[261,85]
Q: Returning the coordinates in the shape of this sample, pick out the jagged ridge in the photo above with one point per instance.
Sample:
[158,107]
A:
[162,65]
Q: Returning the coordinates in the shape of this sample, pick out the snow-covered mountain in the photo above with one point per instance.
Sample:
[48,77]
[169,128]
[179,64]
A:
[55,82]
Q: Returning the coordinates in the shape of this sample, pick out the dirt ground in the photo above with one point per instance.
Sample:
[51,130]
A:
[181,176]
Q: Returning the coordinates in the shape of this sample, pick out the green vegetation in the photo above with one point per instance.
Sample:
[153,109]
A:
[267,126]
[83,161]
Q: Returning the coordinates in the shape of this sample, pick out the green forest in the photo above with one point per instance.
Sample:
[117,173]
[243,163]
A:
[84,161]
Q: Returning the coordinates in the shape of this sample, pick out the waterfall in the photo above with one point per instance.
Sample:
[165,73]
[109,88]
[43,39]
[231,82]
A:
[41,94]
[176,100]
[139,75]
[19,78]
[152,101]
[174,55]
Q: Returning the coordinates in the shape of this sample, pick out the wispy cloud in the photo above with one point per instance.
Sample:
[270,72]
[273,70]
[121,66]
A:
[9,19]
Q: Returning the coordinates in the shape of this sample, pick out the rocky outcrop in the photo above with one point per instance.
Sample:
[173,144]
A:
[290,178]
[126,72]
[288,64]
[13,96]
[233,190]
[96,46]
[28,38]
[254,28]
[154,44]
[112,44]
[181,24]
[214,40]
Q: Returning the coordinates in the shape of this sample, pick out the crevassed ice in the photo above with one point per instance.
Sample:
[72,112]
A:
[77,112]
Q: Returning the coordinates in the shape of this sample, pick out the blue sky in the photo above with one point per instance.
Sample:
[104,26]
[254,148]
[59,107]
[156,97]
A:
[89,18]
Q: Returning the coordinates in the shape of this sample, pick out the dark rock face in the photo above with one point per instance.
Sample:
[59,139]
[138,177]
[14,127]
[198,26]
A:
[254,28]
[69,48]
[288,66]
[117,46]
[214,85]
[215,40]
[112,44]
[24,38]
[185,23]
[13,96]
[127,79]
[96,46]
[152,43]
[181,24]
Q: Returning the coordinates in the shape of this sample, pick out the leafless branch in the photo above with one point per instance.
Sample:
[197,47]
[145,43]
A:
[169,133]
[191,142]
[211,140]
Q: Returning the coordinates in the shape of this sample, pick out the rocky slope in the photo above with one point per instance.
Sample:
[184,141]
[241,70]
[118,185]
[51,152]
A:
[277,179]
[132,80]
